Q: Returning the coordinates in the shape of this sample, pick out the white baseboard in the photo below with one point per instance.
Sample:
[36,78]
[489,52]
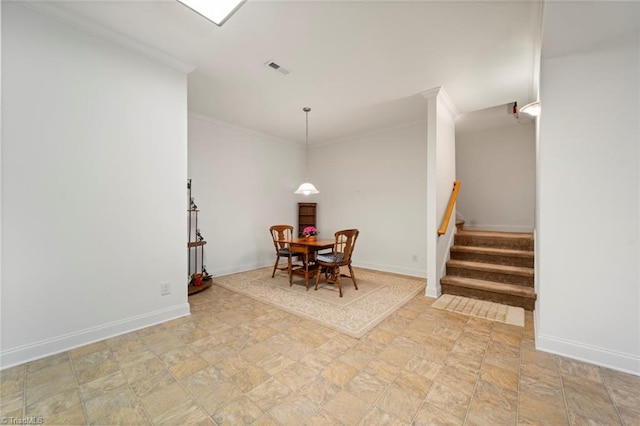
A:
[220,272]
[434,291]
[31,352]
[419,273]
[593,355]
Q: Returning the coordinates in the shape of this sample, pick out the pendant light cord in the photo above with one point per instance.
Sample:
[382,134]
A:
[307,187]
[306,170]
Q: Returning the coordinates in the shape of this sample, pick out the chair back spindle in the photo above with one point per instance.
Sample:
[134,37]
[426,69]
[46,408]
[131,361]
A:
[280,234]
[329,264]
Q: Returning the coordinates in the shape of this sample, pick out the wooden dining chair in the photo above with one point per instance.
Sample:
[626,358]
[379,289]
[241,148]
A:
[329,264]
[279,233]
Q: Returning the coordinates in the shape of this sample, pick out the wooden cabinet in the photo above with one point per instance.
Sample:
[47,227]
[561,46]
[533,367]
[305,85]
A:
[306,216]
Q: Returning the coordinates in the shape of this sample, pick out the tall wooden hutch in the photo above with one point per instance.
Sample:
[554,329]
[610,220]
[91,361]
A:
[306,216]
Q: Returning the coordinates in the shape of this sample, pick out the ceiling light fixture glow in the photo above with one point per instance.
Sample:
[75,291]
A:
[532,109]
[217,11]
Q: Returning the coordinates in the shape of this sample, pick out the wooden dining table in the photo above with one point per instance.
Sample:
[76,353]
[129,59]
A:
[306,248]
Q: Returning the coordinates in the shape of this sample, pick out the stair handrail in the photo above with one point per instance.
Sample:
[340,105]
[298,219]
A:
[452,202]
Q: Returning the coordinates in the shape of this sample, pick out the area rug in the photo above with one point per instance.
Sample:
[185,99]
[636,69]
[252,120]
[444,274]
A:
[481,309]
[358,311]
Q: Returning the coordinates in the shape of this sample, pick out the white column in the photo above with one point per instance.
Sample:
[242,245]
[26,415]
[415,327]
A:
[441,172]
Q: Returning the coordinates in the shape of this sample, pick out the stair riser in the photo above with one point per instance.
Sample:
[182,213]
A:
[506,299]
[495,242]
[487,280]
[490,276]
[525,262]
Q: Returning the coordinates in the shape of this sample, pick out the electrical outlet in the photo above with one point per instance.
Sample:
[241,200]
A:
[165,288]
[414,258]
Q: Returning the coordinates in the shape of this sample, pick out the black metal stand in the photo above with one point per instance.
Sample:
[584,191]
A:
[199,278]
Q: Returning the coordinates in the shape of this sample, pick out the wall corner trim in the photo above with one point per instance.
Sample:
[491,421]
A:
[442,95]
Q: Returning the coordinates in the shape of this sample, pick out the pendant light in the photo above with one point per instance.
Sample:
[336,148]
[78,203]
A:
[532,109]
[307,187]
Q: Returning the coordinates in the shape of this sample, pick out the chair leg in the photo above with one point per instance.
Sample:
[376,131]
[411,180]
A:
[337,273]
[289,266]
[275,266]
[353,277]
[318,272]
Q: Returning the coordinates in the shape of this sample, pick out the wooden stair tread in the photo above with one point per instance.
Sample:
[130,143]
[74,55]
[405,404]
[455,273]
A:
[492,265]
[495,239]
[492,250]
[489,267]
[498,234]
[492,286]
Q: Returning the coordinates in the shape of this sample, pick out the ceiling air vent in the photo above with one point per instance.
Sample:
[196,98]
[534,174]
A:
[277,67]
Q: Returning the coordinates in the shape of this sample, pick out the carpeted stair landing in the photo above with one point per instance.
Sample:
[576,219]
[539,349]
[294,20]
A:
[493,266]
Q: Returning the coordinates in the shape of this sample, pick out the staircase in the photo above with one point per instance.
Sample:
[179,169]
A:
[494,266]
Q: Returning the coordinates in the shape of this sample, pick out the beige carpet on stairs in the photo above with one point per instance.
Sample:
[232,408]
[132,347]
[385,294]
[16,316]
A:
[358,311]
[481,309]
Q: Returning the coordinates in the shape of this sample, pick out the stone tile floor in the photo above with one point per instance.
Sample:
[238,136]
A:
[236,361]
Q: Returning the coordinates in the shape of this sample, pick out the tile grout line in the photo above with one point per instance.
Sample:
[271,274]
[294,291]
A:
[564,395]
[244,393]
[519,375]
[615,406]
[475,386]
[374,404]
[195,401]
[75,379]
[424,401]
[24,390]
[184,389]
[138,399]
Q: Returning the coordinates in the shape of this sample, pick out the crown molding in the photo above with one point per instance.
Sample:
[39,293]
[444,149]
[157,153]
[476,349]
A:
[370,133]
[55,12]
[202,117]
[442,95]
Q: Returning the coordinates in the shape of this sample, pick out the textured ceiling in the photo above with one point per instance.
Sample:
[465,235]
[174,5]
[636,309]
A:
[360,65]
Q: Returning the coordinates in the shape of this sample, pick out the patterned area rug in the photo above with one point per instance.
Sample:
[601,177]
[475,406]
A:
[358,311]
[481,309]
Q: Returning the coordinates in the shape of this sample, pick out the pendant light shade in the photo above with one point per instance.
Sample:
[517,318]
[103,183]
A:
[532,109]
[307,187]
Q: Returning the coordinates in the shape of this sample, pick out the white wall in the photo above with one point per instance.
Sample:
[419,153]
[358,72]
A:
[243,183]
[496,168]
[588,227]
[376,183]
[94,169]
